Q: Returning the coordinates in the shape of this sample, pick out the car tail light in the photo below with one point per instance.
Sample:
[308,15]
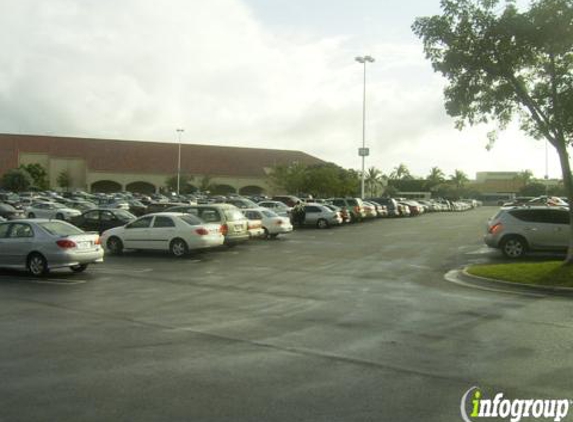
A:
[202,231]
[224,229]
[357,210]
[66,243]
[97,241]
[279,222]
[495,228]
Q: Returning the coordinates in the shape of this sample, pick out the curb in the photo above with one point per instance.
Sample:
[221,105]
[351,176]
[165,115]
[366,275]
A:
[462,277]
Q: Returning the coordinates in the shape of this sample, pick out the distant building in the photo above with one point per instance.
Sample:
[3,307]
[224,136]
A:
[498,182]
[104,165]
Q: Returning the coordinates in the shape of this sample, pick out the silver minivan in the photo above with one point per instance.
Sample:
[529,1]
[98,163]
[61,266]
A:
[232,220]
[521,229]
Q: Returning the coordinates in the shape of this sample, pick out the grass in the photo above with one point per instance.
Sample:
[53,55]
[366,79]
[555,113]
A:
[549,273]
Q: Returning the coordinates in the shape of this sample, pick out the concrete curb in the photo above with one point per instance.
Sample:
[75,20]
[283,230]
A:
[462,277]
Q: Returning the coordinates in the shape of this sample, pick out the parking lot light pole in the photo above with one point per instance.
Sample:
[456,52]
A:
[363,152]
[179,131]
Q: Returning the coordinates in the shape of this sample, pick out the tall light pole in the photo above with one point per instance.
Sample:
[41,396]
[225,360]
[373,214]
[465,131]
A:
[179,132]
[363,152]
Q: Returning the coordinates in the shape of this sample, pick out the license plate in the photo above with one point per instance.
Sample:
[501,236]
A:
[238,228]
[84,245]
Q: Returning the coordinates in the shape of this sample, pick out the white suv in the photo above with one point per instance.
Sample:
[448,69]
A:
[521,229]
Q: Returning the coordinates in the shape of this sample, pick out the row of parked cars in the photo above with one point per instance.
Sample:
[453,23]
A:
[46,232]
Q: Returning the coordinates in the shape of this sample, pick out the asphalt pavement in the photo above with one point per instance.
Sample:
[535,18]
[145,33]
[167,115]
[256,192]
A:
[347,324]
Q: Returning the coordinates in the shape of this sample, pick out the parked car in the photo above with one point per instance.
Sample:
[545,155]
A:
[344,214]
[9,212]
[254,223]
[162,206]
[320,216]
[548,200]
[51,210]
[278,207]
[353,205]
[242,203]
[175,232]
[289,200]
[102,219]
[39,245]
[234,223]
[272,223]
[391,205]
[519,230]
[369,210]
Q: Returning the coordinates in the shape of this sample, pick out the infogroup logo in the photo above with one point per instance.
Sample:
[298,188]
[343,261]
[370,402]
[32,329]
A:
[479,407]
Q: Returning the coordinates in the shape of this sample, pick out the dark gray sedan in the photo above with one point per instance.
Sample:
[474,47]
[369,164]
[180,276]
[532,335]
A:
[39,245]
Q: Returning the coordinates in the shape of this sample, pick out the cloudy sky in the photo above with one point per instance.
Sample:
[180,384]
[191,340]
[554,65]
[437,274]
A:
[255,73]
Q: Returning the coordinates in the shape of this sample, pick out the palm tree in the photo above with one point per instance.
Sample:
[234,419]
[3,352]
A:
[401,172]
[435,177]
[373,181]
[459,178]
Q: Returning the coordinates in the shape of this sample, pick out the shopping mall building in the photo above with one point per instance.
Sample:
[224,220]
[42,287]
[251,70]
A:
[105,165]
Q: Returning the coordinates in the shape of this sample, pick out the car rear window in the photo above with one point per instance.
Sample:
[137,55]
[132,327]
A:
[268,213]
[191,220]
[234,215]
[60,229]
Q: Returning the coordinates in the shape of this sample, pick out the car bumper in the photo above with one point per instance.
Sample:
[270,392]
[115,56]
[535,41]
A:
[284,228]
[72,258]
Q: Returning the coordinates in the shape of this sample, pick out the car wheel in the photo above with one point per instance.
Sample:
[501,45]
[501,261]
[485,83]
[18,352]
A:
[267,235]
[31,215]
[514,247]
[79,268]
[115,245]
[59,216]
[178,248]
[274,235]
[322,224]
[37,265]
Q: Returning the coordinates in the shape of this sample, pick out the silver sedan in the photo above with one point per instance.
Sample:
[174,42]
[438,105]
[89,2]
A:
[39,245]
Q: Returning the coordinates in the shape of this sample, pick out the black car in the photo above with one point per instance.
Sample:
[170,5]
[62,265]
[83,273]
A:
[9,212]
[100,220]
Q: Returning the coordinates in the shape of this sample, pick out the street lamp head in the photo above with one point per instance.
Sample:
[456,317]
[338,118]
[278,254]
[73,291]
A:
[369,59]
[360,59]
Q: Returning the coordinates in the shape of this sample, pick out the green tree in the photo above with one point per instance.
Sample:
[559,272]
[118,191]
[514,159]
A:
[524,176]
[374,181]
[39,175]
[435,178]
[501,63]
[459,179]
[64,180]
[185,185]
[401,173]
[16,180]
[533,189]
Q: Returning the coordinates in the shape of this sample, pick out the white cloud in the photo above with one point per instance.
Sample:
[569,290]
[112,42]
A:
[138,69]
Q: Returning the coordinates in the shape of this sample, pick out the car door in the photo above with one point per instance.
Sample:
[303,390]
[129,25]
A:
[311,214]
[18,243]
[90,221]
[539,228]
[137,232]
[4,230]
[559,220]
[162,231]
[107,220]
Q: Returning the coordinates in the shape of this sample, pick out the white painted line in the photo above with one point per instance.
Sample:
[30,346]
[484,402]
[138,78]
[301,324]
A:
[56,282]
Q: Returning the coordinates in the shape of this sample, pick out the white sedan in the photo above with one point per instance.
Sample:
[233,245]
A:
[273,224]
[175,232]
[51,210]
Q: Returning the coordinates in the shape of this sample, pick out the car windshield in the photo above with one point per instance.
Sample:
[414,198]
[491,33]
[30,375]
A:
[58,228]
[7,207]
[191,220]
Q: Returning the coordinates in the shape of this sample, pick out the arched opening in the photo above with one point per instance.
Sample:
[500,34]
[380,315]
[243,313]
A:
[223,190]
[140,187]
[251,190]
[106,186]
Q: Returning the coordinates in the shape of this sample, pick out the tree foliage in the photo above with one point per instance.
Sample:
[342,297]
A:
[64,180]
[185,185]
[16,180]
[321,180]
[501,62]
[39,175]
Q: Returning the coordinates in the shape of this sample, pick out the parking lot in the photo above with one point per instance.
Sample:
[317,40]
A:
[352,323]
